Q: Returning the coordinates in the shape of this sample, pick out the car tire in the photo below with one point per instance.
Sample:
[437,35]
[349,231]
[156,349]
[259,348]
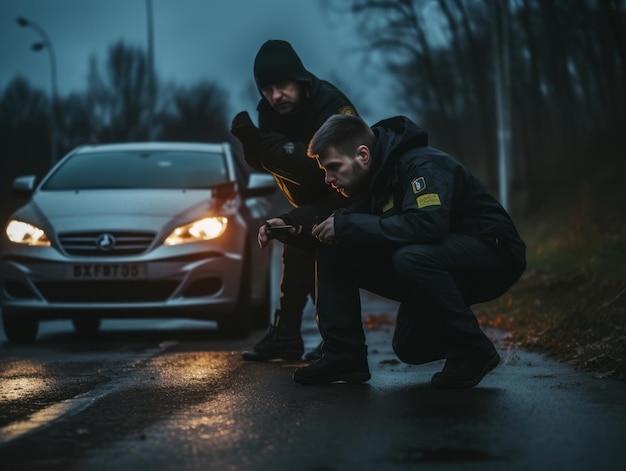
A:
[86,326]
[19,328]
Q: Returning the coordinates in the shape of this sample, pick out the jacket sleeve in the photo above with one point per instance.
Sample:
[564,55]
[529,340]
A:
[286,158]
[261,153]
[273,152]
[421,214]
[307,216]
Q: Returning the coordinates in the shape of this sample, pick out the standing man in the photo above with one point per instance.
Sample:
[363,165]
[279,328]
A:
[293,106]
[424,232]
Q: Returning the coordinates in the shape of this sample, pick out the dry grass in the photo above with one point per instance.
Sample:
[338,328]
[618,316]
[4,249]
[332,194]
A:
[571,317]
[571,302]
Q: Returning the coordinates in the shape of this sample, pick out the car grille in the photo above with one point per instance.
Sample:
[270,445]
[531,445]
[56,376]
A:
[117,243]
[107,291]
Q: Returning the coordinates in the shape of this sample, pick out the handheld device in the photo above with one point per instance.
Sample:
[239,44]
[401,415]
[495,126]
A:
[278,232]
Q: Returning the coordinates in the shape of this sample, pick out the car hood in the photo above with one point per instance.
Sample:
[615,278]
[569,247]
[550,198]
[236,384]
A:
[119,209]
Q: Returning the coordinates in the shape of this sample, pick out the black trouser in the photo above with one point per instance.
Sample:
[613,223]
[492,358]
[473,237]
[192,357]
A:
[296,285]
[434,283]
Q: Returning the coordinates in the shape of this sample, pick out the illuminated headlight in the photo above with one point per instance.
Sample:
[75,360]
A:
[203,229]
[24,233]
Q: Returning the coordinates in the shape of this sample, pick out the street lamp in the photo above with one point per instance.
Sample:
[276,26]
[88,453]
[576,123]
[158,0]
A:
[500,45]
[47,44]
[152,76]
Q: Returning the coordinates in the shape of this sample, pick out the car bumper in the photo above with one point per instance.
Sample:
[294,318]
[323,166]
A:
[187,285]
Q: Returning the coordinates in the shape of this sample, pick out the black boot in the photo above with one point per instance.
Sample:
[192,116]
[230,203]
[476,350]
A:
[278,343]
[465,371]
[314,354]
[333,368]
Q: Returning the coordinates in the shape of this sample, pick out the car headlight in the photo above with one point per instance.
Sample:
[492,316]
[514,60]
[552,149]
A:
[23,233]
[203,229]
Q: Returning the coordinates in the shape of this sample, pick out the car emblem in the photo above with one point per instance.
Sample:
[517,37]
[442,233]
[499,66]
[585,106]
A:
[105,242]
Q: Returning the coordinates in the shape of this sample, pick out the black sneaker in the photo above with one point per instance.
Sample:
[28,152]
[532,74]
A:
[465,372]
[276,345]
[314,354]
[333,369]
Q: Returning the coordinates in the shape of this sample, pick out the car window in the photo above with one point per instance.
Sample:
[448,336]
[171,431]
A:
[139,169]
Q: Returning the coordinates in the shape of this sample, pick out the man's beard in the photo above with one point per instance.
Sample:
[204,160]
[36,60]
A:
[285,107]
[359,182]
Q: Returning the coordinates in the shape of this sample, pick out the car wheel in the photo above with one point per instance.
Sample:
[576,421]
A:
[19,328]
[86,326]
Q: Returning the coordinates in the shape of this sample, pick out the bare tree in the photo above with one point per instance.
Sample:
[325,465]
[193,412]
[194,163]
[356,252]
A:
[24,129]
[567,62]
[122,98]
[24,137]
[195,113]
[78,121]
[435,53]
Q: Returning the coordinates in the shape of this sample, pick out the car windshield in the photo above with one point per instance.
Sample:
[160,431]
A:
[139,169]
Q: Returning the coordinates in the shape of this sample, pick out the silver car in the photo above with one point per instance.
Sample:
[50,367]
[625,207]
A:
[137,230]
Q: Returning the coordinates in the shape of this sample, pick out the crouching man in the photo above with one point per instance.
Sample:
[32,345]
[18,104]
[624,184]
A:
[423,231]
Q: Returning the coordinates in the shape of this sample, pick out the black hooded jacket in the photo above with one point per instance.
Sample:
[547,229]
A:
[419,194]
[282,148]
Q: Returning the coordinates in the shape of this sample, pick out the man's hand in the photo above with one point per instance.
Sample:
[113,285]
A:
[325,230]
[262,236]
[243,128]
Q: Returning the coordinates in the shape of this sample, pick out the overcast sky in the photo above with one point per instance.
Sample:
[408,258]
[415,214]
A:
[193,40]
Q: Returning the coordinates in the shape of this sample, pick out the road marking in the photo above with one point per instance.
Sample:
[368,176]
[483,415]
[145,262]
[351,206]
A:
[72,406]
[46,416]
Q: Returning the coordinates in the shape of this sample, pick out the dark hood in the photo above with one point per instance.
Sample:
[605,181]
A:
[394,136]
[277,62]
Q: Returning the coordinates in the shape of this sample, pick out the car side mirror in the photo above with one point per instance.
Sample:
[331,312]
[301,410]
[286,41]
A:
[23,186]
[260,184]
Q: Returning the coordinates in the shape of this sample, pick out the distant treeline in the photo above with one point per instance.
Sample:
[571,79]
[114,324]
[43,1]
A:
[126,103]
[563,64]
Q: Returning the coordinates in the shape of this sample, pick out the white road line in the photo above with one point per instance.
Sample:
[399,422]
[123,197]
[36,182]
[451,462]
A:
[72,406]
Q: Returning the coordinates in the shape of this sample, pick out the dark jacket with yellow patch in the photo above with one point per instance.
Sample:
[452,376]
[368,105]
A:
[285,139]
[418,194]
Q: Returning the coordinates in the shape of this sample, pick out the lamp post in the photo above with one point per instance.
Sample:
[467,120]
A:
[500,45]
[151,71]
[38,46]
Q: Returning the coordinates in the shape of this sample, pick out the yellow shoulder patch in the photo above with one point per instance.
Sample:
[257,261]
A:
[431,199]
[347,110]
[388,205]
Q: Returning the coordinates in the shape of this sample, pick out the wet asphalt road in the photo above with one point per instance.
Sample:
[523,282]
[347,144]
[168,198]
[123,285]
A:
[171,395]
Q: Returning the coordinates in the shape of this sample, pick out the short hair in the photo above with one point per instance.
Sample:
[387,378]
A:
[344,132]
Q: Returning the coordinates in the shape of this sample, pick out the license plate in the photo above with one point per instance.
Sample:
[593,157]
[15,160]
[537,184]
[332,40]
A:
[108,271]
